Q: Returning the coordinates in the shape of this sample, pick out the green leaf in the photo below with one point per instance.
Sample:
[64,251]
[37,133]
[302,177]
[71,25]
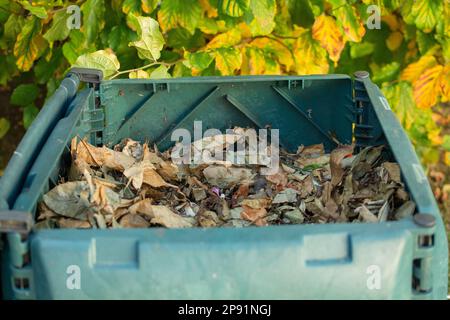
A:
[24,94]
[29,114]
[119,37]
[30,44]
[180,38]
[301,12]
[425,41]
[184,13]
[150,41]
[426,13]
[358,50]
[58,30]
[233,8]
[387,72]
[160,72]
[132,6]
[104,60]
[148,6]
[13,26]
[138,74]
[348,18]
[180,70]
[75,47]
[4,127]
[45,70]
[445,144]
[228,60]
[8,69]
[93,18]
[39,12]
[197,61]
[261,19]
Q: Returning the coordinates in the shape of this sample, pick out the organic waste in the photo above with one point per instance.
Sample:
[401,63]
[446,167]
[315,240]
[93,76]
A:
[136,186]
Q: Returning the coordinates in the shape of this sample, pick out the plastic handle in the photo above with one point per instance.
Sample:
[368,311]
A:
[402,150]
[36,135]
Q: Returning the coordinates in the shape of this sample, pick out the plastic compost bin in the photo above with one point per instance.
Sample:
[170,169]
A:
[404,259]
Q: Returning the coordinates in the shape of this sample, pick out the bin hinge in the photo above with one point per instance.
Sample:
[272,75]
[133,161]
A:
[88,75]
[15,221]
[422,284]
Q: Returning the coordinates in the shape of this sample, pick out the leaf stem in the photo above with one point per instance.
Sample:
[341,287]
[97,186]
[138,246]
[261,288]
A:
[118,73]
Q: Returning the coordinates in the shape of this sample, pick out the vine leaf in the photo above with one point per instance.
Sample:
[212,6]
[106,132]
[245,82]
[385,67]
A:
[30,44]
[150,41]
[326,31]
[426,88]
[104,60]
[184,13]
[310,57]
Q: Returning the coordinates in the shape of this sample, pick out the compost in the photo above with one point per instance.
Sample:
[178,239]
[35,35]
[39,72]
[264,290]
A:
[133,185]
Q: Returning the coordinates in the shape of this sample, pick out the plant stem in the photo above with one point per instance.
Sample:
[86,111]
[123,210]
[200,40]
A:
[118,73]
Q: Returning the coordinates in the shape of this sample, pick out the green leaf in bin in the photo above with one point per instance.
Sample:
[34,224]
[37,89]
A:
[29,114]
[24,95]
[4,127]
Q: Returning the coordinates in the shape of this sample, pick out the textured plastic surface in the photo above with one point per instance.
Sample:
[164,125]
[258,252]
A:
[381,261]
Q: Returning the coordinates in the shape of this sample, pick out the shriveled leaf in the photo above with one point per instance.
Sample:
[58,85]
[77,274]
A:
[326,31]
[69,199]
[224,177]
[104,60]
[161,215]
[150,41]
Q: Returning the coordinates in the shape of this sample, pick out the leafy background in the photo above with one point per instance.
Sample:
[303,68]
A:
[408,57]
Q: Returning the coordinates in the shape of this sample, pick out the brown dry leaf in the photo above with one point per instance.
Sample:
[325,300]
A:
[45,212]
[160,214]
[168,170]
[279,179]
[73,223]
[256,216]
[105,199]
[393,170]
[337,155]
[134,221]
[256,203]
[153,179]
[208,219]
[225,177]
[103,156]
[313,150]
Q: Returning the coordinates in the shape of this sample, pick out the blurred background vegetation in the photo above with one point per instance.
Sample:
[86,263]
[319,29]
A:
[407,53]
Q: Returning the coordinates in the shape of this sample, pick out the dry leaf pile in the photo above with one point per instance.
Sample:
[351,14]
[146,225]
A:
[134,186]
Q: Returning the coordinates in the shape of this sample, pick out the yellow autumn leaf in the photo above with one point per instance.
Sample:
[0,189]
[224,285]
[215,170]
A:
[414,70]
[138,74]
[227,39]
[352,25]
[228,60]
[426,88]
[326,31]
[444,83]
[253,61]
[392,21]
[394,40]
[447,158]
[277,50]
[310,57]
[211,12]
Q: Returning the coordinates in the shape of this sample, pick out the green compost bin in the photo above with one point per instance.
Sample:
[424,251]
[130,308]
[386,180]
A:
[404,259]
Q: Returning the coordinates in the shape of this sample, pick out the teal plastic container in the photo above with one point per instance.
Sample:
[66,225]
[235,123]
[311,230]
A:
[405,259]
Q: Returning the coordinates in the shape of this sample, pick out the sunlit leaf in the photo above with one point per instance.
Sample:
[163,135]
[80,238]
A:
[414,70]
[150,41]
[210,9]
[253,61]
[444,83]
[233,8]
[276,50]
[228,60]
[198,61]
[262,16]
[426,88]
[229,38]
[184,13]
[138,74]
[386,72]
[326,31]
[352,25]
[310,57]
[426,13]
[104,60]
[161,72]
